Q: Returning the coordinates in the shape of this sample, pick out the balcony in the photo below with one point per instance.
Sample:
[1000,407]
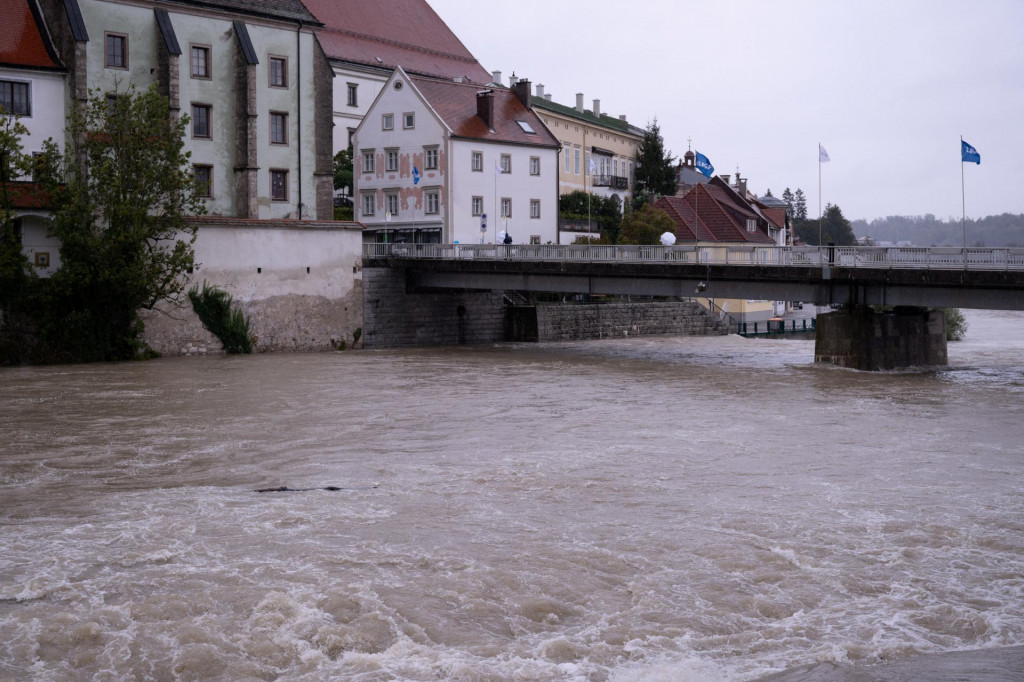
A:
[612,181]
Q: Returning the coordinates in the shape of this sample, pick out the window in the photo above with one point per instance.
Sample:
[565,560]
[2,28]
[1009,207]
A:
[751,225]
[535,208]
[565,155]
[116,53]
[391,160]
[408,121]
[506,207]
[112,103]
[278,127]
[387,122]
[204,180]
[278,72]
[430,158]
[14,98]
[201,121]
[433,201]
[478,206]
[351,133]
[535,239]
[200,61]
[527,128]
[369,205]
[353,95]
[279,185]
[534,165]
[506,163]
[576,160]
[368,161]
[391,201]
[478,162]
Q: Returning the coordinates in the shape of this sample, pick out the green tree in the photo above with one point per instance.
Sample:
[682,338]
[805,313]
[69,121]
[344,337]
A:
[787,196]
[14,266]
[344,178]
[655,168]
[799,205]
[605,211]
[645,225]
[121,192]
[834,229]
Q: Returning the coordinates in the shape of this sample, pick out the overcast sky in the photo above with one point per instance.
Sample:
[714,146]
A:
[887,87]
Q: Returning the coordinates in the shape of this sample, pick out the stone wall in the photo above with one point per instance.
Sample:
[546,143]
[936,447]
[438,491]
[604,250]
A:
[394,318]
[867,340]
[618,320]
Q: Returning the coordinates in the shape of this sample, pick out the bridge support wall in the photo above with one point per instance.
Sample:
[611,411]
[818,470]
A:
[619,320]
[396,316]
[863,339]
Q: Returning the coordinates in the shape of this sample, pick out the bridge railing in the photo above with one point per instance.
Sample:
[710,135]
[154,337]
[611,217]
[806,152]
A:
[975,258]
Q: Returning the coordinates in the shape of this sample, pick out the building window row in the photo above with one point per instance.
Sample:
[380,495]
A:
[202,124]
[203,176]
[431,203]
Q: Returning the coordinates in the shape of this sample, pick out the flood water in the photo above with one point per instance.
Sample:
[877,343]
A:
[638,509]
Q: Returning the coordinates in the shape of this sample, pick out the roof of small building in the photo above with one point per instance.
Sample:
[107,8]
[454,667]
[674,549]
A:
[389,33]
[456,104]
[688,176]
[24,41]
[708,214]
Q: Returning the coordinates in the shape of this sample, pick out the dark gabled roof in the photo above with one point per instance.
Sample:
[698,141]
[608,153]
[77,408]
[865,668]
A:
[245,43]
[389,33]
[24,41]
[708,214]
[163,21]
[75,20]
[456,104]
[588,116]
[290,10]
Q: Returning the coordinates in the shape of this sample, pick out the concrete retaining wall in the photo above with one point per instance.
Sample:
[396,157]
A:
[866,340]
[617,320]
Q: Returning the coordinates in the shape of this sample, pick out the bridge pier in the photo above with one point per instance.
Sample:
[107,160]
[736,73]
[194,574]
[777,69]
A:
[863,339]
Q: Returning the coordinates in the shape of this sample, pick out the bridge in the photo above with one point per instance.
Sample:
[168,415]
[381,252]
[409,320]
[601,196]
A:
[941,277]
[428,294]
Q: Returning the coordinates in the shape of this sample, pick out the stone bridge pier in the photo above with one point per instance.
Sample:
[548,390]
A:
[861,338]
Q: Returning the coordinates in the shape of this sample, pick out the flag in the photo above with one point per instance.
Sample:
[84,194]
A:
[497,168]
[591,165]
[968,153]
[822,154]
[704,165]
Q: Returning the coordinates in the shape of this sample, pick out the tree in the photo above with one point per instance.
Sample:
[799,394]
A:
[768,193]
[645,226]
[787,196]
[834,229]
[14,266]
[606,211]
[655,169]
[121,192]
[799,205]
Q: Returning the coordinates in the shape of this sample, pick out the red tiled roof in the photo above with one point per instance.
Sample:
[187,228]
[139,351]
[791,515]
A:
[390,33]
[27,195]
[22,39]
[776,215]
[455,103]
[708,214]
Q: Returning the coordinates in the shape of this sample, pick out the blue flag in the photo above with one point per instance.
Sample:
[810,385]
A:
[704,165]
[968,153]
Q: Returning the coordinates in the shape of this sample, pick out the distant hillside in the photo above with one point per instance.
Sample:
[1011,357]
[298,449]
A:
[995,230]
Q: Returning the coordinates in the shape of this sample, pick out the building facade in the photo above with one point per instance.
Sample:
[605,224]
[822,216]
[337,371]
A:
[250,75]
[444,161]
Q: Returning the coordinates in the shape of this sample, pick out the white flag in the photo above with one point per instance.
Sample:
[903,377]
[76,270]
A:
[822,154]
[497,168]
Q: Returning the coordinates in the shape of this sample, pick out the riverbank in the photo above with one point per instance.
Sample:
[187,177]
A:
[980,665]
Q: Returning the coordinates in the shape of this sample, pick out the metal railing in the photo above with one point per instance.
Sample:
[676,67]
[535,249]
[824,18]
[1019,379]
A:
[874,257]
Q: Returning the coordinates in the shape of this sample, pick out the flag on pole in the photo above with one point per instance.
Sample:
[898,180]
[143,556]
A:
[822,154]
[591,165]
[969,153]
[704,165]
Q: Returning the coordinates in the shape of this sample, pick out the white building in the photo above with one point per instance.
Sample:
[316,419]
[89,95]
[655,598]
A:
[437,160]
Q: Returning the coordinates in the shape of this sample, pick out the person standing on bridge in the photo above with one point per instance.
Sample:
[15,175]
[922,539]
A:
[508,238]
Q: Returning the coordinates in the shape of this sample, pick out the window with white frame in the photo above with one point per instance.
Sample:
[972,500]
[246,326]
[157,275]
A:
[534,165]
[369,204]
[751,225]
[535,239]
[535,208]
[478,162]
[576,160]
[433,203]
[391,203]
[506,163]
[430,158]
[15,97]
[478,206]
[391,160]
[369,163]
[506,207]
[387,122]
[565,155]
[408,120]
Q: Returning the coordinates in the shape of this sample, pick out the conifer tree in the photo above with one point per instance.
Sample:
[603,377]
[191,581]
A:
[655,169]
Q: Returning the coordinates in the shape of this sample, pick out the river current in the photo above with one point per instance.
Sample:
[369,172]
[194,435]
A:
[695,508]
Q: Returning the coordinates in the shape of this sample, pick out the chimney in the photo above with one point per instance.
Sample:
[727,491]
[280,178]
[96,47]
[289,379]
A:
[540,90]
[597,107]
[522,90]
[485,107]
[725,178]
[496,77]
[512,80]
[579,102]
[742,186]
[547,96]
[622,117]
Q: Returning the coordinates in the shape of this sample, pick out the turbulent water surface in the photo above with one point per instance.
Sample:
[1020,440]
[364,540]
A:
[643,509]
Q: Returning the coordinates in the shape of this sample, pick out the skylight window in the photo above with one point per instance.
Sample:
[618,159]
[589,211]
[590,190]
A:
[526,127]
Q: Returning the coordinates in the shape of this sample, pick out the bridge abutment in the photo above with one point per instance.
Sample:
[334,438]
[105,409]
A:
[861,338]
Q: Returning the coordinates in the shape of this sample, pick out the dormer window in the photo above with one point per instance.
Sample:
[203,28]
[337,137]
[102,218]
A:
[751,225]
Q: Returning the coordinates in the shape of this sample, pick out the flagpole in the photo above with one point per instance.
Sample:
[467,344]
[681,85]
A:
[819,195]
[963,197]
